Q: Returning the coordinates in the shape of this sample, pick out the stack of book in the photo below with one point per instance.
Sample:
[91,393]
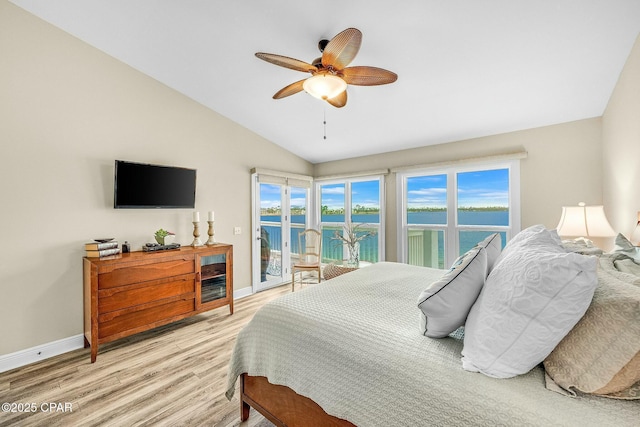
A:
[96,249]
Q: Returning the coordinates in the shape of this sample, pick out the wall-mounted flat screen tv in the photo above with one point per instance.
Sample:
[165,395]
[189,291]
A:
[145,186]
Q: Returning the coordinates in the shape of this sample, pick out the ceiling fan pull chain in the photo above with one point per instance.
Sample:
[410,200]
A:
[324,121]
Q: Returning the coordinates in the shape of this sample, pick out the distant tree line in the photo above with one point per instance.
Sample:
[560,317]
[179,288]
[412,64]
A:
[277,210]
[357,209]
[361,210]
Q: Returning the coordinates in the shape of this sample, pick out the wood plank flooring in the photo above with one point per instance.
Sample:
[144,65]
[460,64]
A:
[174,375]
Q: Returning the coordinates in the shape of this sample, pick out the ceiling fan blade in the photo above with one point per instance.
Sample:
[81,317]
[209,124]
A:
[339,101]
[341,50]
[291,89]
[285,61]
[368,76]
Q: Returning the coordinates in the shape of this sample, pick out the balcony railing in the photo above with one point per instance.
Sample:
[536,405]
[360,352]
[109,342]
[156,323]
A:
[332,250]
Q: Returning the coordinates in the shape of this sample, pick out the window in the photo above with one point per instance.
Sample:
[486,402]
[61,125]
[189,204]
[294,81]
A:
[351,201]
[446,211]
[425,215]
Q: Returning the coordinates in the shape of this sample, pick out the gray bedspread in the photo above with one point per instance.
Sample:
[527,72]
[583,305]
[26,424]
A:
[352,345]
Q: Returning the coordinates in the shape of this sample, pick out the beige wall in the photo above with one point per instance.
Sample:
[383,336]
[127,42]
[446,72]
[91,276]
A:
[563,167]
[67,111]
[621,147]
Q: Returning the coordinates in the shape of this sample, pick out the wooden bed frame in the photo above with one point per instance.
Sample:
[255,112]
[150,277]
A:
[283,406]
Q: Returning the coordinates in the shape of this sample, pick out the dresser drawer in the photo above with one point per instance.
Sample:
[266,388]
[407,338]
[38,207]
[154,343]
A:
[120,321]
[125,275]
[112,299]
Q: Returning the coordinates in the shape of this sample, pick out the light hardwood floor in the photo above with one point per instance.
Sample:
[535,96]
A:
[174,375]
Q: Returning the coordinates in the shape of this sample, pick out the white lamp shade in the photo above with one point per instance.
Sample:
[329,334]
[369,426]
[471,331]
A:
[584,221]
[324,86]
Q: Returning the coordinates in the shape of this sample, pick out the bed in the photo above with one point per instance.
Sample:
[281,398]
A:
[349,352]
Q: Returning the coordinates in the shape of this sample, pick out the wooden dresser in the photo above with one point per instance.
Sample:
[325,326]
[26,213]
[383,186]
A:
[133,292]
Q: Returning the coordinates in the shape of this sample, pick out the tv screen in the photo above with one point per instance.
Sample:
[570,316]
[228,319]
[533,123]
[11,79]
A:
[139,185]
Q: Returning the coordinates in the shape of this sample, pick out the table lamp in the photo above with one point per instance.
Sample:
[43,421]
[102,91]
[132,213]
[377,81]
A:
[584,221]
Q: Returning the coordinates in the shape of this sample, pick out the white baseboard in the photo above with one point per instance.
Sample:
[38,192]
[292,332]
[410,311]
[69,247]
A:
[45,351]
[244,292]
[40,352]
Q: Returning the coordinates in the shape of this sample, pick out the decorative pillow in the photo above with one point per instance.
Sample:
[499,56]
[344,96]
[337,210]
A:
[581,246]
[493,246]
[555,237]
[445,304]
[601,354]
[624,246]
[535,236]
[530,301]
[626,383]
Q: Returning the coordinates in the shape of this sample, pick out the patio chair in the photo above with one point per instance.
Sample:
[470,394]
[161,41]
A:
[310,248]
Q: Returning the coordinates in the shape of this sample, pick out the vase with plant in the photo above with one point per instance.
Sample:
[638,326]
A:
[164,237]
[351,236]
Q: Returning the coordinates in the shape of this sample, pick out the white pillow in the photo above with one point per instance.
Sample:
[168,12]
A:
[624,246]
[445,303]
[535,236]
[530,301]
[555,236]
[493,246]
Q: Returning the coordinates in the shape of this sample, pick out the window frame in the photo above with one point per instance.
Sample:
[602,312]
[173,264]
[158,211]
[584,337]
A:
[452,228]
[348,181]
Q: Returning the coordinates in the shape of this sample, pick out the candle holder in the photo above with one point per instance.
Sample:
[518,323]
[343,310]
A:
[211,240]
[196,235]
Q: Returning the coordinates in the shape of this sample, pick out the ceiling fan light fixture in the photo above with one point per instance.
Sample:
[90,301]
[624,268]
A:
[330,74]
[324,86]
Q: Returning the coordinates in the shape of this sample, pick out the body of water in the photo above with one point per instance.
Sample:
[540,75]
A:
[332,250]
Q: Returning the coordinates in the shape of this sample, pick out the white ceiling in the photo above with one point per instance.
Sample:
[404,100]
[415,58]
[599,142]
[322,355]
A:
[466,68]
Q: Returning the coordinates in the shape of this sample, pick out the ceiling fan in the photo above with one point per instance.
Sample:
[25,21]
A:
[329,73]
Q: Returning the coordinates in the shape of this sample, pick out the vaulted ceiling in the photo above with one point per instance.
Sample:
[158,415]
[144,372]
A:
[466,68]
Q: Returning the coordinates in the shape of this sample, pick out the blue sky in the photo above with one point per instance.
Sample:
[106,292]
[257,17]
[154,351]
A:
[364,193]
[270,196]
[475,189]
